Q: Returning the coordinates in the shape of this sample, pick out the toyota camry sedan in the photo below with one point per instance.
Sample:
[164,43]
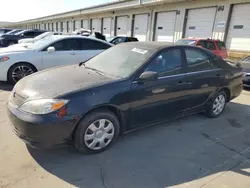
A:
[19,61]
[126,87]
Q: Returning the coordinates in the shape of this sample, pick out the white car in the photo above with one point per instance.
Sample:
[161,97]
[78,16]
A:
[39,37]
[56,50]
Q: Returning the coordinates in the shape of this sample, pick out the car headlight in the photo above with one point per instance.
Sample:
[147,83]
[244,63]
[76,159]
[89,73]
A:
[2,59]
[43,106]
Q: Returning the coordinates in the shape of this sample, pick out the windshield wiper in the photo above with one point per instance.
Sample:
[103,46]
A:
[97,71]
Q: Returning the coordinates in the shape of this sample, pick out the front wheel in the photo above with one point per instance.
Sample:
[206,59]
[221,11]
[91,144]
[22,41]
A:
[19,71]
[96,132]
[217,105]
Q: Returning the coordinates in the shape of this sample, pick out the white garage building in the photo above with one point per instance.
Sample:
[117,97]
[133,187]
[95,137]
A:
[159,20]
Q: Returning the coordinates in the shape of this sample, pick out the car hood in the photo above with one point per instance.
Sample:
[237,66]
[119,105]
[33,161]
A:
[53,83]
[10,36]
[14,48]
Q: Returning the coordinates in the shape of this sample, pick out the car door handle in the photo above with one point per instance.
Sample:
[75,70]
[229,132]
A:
[217,75]
[184,83]
[72,53]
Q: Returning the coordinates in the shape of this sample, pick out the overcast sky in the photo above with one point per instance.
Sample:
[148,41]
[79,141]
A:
[19,10]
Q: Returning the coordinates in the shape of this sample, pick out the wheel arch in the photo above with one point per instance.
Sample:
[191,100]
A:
[114,109]
[24,62]
[227,91]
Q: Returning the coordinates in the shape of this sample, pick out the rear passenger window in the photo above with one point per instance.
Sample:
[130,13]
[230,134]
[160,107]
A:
[196,60]
[87,44]
[221,45]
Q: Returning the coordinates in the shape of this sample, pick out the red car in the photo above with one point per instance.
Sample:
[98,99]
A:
[216,46]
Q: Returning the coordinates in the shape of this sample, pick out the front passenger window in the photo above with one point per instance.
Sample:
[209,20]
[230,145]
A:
[66,45]
[196,60]
[166,63]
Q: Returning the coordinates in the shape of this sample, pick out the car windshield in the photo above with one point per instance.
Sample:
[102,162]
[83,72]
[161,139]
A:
[109,38]
[43,35]
[186,42]
[18,33]
[123,60]
[43,42]
[12,32]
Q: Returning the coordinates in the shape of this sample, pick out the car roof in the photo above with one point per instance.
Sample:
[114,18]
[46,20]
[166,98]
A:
[151,45]
[78,37]
[196,39]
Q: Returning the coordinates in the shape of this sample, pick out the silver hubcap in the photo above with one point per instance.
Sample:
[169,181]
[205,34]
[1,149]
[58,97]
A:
[219,104]
[21,71]
[99,134]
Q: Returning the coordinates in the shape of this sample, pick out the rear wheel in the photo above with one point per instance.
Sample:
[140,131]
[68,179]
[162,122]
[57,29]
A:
[96,132]
[19,71]
[11,43]
[217,105]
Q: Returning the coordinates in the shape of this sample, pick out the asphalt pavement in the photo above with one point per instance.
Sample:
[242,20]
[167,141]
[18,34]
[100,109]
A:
[190,152]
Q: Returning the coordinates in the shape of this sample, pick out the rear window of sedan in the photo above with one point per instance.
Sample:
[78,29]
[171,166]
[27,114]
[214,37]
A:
[221,45]
[186,42]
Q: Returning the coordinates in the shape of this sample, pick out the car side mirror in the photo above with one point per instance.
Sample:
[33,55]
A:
[148,76]
[51,49]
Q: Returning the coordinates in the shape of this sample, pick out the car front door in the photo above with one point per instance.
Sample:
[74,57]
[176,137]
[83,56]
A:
[154,101]
[64,54]
[202,75]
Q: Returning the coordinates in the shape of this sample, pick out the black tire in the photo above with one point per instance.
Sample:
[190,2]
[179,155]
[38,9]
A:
[210,105]
[13,81]
[11,43]
[79,137]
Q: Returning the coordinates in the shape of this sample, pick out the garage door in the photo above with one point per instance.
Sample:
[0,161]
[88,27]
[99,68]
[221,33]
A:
[85,24]
[165,26]
[238,37]
[200,22]
[121,26]
[140,27]
[107,24]
[65,27]
[96,25]
[78,24]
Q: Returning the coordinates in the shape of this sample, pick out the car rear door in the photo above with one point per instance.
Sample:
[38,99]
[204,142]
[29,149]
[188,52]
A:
[64,54]
[203,76]
[90,48]
[154,101]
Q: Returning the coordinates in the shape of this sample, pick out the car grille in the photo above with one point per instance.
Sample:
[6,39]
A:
[17,99]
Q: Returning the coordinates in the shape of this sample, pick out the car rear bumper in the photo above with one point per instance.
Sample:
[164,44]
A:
[40,131]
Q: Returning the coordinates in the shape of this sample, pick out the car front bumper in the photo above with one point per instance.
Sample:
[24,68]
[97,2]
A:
[43,131]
